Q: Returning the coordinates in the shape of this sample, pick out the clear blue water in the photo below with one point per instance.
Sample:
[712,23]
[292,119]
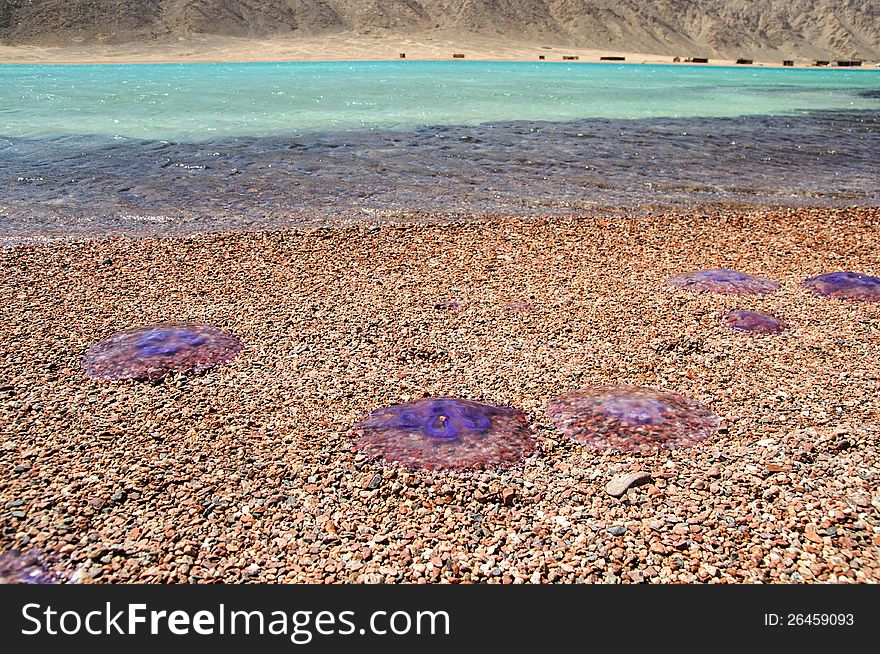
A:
[197,102]
[89,150]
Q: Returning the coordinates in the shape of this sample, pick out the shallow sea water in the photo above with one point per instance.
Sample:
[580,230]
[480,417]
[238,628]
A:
[156,149]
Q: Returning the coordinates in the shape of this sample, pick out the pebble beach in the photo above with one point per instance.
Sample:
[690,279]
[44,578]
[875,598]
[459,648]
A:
[246,473]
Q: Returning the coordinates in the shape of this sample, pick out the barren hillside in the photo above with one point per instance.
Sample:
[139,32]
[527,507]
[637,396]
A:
[720,28]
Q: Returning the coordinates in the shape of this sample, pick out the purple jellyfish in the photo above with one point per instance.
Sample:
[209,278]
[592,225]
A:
[152,351]
[24,568]
[752,321]
[446,432]
[846,286]
[631,419]
[728,282]
[520,307]
[450,305]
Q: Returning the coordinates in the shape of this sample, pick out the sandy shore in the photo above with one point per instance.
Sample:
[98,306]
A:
[427,46]
[245,473]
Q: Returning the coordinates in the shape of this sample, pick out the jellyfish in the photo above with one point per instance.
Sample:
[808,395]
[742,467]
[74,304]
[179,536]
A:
[450,305]
[520,307]
[728,282]
[631,419]
[24,568]
[845,285]
[752,321]
[446,433]
[152,351]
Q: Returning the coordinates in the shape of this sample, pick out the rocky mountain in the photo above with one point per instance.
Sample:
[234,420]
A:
[720,28]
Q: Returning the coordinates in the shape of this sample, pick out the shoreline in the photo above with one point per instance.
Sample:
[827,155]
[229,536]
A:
[245,473]
[344,47]
[161,227]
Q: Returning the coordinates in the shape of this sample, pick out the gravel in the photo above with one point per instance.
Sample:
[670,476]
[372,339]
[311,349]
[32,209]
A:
[245,474]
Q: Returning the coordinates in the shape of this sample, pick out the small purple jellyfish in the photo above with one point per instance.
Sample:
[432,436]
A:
[24,568]
[520,307]
[152,351]
[752,321]
[845,285]
[728,282]
[450,305]
[446,432]
[631,419]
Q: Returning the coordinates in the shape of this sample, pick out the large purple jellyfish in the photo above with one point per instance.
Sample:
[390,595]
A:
[152,351]
[729,282]
[631,418]
[24,568]
[752,321]
[845,285]
[446,432]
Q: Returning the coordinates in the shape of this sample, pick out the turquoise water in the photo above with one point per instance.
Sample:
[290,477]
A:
[159,149]
[198,102]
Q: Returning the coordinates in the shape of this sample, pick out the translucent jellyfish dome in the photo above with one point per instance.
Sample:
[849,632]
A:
[631,419]
[728,282]
[845,285]
[152,351]
[24,568]
[446,433]
[752,321]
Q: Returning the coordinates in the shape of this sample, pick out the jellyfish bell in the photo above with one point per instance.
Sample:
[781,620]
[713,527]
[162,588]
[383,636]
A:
[631,418]
[24,568]
[450,305]
[152,351]
[167,341]
[845,285]
[724,275]
[725,281]
[635,410]
[446,433]
[752,321]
